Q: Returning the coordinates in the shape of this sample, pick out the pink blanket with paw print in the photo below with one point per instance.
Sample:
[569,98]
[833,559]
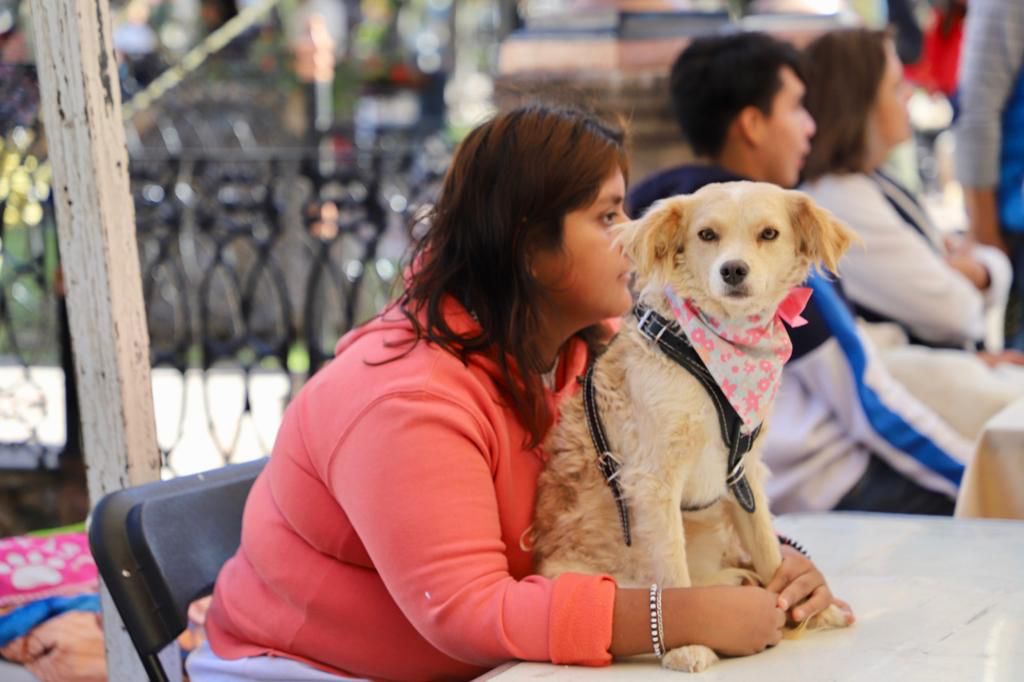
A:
[37,567]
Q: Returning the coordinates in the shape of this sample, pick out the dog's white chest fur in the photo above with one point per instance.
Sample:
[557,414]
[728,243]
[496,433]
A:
[682,427]
[706,480]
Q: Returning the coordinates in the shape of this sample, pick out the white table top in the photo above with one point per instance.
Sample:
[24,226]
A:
[936,599]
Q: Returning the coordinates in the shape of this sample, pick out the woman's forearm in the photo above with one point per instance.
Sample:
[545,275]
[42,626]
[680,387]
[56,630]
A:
[730,620]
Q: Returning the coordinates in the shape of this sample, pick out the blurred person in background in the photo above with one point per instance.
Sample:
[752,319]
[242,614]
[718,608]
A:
[933,290]
[990,138]
[936,287]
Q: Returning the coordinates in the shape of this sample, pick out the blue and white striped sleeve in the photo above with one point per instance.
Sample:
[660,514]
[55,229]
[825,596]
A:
[876,410]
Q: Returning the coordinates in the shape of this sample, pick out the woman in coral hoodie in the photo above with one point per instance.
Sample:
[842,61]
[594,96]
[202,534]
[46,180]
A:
[384,539]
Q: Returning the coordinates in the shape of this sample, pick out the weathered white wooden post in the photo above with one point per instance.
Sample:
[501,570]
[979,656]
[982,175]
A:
[81,101]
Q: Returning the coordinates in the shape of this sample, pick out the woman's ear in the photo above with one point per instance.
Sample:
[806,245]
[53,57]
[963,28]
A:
[821,237]
[652,240]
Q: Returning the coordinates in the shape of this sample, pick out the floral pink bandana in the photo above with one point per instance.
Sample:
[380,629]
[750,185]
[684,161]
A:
[745,357]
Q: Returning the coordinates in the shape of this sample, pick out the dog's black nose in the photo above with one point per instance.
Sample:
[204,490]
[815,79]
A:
[734,271]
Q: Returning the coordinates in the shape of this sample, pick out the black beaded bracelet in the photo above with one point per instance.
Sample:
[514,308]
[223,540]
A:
[784,540]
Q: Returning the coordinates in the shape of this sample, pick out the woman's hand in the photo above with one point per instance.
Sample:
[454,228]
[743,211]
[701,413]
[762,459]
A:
[738,621]
[1004,357]
[960,257]
[734,621]
[801,587]
[970,268]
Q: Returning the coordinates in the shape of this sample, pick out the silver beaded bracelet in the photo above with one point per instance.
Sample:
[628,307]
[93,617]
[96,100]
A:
[657,627]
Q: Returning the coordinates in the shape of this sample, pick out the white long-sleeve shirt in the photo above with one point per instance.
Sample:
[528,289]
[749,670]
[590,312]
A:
[899,273]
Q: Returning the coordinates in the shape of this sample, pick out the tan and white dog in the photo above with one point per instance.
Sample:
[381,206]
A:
[731,250]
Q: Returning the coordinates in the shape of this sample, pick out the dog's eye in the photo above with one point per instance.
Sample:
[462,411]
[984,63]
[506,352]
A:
[769,233]
[707,235]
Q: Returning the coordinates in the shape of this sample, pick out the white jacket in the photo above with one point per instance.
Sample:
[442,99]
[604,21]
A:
[900,273]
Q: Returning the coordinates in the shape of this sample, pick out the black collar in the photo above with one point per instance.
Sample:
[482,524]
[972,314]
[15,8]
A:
[677,347]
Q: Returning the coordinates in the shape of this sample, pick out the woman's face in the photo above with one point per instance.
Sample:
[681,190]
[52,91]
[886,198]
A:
[587,278]
[890,120]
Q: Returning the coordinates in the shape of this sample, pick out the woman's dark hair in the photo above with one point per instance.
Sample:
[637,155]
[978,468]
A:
[505,196]
[717,77]
[843,70]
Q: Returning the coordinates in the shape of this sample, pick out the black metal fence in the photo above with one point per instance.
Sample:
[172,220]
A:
[257,254]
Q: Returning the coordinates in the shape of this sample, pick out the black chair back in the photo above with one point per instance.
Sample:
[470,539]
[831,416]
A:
[160,546]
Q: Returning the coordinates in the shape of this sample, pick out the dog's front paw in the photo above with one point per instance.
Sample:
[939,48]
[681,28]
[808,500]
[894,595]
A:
[689,659]
[831,617]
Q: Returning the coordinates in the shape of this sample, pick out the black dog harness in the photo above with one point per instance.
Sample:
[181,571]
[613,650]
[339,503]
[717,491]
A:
[677,347]
[607,462]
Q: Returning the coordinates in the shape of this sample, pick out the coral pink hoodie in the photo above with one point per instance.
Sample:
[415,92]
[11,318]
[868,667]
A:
[383,539]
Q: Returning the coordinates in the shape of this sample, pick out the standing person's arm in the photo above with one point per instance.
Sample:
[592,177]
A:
[983,216]
[993,55]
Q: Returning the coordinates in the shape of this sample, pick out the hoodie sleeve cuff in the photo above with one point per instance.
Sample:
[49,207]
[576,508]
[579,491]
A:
[581,620]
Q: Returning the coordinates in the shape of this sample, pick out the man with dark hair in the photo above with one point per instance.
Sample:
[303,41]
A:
[845,434]
[739,102]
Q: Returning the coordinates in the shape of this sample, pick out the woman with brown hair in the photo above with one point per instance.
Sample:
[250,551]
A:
[384,539]
[938,290]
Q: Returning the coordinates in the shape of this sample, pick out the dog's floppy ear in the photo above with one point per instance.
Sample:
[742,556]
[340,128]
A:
[651,241]
[821,237]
